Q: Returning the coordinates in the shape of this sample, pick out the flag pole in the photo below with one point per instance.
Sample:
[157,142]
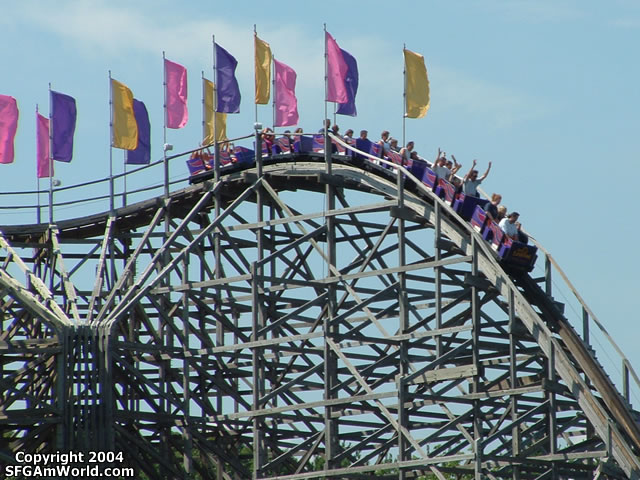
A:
[216,147]
[38,213]
[216,158]
[326,79]
[164,129]
[328,327]
[50,159]
[124,178]
[404,95]
[111,199]
[217,250]
[273,86]
[255,55]
[125,153]
[204,110]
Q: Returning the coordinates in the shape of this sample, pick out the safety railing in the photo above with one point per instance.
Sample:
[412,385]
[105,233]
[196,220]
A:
[585,322]
[82,199]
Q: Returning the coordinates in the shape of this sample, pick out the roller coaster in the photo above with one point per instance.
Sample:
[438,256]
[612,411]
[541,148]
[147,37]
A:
[302,315]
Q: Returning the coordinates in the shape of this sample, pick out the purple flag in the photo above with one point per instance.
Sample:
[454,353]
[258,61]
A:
[8,127]
[285,95]
[351,84]
[142,154]
[63,126]
[228,91]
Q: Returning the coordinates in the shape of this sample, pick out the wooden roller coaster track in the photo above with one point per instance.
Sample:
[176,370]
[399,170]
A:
[301,317]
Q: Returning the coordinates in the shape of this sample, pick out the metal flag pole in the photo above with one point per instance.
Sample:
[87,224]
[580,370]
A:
[50,159]
[255,56]
[328,326]
[111,192]
[111,250]
[38,213]
[125,154]
[124,178]
[204,111]
[404,94]
[273,86]
[326,85]
[216,147]
[165,146]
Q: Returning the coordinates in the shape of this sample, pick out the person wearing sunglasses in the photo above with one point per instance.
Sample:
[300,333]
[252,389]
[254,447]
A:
[471,181]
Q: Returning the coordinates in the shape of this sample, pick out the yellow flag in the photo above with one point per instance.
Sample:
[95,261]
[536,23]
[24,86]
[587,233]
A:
[417,88]
[125,128]
[221,118]
[263,70]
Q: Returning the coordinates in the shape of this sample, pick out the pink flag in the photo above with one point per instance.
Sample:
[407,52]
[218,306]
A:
[337,70]
[285,95]
[43,161]
[8,127]
[176,94]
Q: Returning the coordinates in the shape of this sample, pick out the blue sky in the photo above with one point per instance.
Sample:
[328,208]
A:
[546,90]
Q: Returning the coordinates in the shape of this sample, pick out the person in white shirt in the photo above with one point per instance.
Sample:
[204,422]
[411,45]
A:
[453,166]
[406,152]
[443,168]
[384,142]
[348,137]
[510,225]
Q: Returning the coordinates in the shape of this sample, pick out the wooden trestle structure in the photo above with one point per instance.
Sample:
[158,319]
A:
[301,318]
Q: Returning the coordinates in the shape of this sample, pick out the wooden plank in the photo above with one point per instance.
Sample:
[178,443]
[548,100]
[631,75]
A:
[450,373]
[69,289]
[100,269]
[303,406]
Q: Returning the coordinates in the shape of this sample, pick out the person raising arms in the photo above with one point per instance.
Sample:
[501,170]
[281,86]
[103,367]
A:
[471,181]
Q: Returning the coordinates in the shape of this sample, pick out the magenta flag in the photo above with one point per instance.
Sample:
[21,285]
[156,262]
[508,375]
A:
[43,162]
[336,72]
[285,95]
[8,127]
[176,94]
